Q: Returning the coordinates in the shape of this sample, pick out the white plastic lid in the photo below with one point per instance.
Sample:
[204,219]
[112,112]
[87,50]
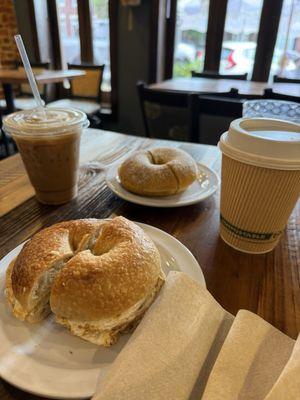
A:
[50,121]
[263,142]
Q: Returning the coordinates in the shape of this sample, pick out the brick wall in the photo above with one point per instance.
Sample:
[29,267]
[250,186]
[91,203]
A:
[8,28]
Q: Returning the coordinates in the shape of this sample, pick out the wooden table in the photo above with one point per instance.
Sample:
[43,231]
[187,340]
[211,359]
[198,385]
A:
[265,284]
[189,85]
[8,77]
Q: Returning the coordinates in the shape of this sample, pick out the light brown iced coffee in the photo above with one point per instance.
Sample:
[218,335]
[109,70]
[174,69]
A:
[48,141]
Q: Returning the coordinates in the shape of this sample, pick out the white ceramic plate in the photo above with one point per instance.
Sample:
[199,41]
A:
[201,189]
[46,360]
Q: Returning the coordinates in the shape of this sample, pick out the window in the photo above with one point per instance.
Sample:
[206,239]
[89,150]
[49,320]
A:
[100,29]
[286,57]
[240,36]
[190,36]
[80,31]
[69,29]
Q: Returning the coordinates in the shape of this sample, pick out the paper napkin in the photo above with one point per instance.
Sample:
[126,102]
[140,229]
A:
[287,386]
[177,342]
[187,347]
[252,358]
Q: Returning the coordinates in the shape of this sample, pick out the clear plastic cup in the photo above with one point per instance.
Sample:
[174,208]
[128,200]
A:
[48,141]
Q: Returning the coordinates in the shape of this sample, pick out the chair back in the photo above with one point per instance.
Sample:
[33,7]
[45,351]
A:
[89,85]
[269,94]
[165,114]
[216,75]
[210,116]
[37,68]
[281,79]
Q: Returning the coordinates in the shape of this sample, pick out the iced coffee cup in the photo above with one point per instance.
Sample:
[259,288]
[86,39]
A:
[48,141]
[260,182]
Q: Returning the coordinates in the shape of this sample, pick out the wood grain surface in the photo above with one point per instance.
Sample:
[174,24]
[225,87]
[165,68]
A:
[189,85]
[265,284]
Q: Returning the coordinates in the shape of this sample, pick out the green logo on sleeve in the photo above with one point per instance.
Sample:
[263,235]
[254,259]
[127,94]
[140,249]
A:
[247,234]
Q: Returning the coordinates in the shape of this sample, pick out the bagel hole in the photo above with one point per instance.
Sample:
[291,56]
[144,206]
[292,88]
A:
[158,162]
[71,243]
[94,237]
[82,245]
[99,252]
[86,242]
[154,160]
[95,245]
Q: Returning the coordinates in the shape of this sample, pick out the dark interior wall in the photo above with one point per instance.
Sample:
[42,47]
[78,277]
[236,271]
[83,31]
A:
[25,27]
[133,59]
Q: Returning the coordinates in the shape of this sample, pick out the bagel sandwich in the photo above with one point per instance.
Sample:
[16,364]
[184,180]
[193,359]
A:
[98,277]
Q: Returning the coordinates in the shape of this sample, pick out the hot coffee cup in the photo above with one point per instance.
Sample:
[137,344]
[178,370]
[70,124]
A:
[260,182]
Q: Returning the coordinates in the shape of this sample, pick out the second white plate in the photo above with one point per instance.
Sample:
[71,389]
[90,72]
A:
[45,359]
[201,189]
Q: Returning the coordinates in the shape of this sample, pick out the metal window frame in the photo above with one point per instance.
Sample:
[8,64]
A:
[266,39]
[214,36]
[85,31]
[170,21]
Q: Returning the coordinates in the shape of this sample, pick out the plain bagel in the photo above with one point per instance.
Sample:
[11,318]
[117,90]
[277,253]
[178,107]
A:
[97,276]
[161,171]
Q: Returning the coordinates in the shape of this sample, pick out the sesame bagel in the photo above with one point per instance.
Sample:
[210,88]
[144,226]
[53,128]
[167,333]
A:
[97,276]
[160,171]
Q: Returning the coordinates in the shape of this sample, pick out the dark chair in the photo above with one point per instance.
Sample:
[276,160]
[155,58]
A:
[4,149]
[210,116]
[165,113]
[216,75]
[243,96]
[281,79]
[4,143]
[269,94]
[85,92]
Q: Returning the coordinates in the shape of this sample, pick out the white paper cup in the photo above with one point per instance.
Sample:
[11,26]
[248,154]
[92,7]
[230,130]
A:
[260,182]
